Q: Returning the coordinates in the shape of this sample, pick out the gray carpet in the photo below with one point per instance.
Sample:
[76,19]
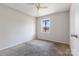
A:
[30,50]
[37,48]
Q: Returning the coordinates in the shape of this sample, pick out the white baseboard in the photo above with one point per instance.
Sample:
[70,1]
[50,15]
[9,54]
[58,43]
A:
[56,41]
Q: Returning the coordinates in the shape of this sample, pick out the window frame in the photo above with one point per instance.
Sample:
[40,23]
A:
[49,25]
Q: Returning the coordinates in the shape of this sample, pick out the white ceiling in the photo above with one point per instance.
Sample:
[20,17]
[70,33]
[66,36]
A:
[30,8]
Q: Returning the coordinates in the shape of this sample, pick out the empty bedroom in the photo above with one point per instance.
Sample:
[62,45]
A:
[35,29]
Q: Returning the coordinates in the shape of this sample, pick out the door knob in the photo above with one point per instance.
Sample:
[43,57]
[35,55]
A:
[74,35]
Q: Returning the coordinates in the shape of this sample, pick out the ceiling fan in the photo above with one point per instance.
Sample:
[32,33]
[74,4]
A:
[38,5]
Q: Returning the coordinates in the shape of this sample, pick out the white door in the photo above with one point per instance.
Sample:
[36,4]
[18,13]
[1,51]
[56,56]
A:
[74,29]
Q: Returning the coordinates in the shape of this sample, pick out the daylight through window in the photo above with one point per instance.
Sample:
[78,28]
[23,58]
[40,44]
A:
[45,25]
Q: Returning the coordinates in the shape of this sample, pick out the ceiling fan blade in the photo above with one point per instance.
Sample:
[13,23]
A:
[38,6]
[43,7]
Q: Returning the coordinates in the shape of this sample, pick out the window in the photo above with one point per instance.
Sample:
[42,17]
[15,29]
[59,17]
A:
[45,25]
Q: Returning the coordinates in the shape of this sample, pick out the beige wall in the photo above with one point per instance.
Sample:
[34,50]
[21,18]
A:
[59,27]
[15,27]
